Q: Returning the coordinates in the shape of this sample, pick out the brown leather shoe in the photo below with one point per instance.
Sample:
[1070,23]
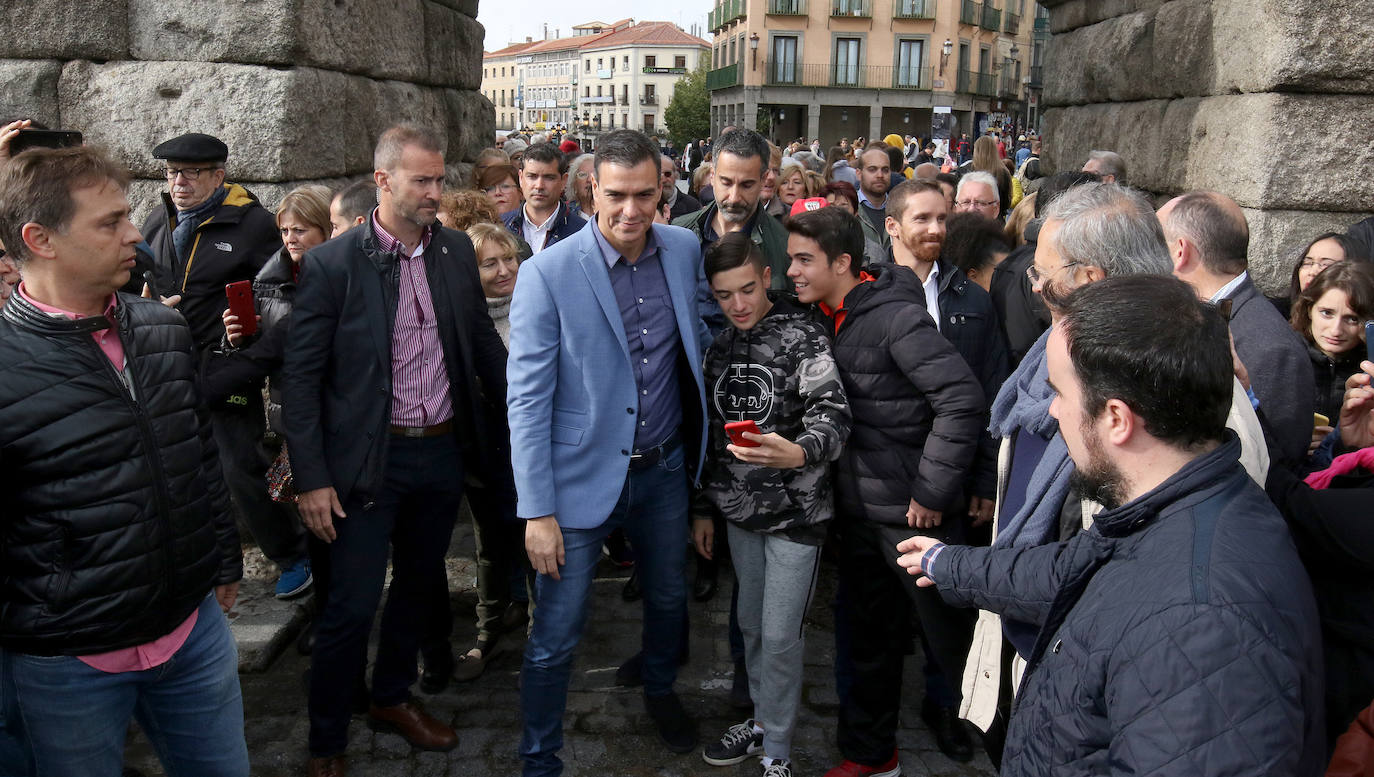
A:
[414,725]
[334,766]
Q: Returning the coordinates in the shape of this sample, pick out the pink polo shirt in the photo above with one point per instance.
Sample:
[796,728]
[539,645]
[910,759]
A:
[159,651]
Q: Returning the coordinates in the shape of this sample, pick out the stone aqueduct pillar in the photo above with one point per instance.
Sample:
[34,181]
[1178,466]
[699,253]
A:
[1269,102]
[298,89]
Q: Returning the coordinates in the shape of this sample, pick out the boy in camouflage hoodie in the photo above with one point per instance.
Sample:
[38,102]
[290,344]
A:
[772,366]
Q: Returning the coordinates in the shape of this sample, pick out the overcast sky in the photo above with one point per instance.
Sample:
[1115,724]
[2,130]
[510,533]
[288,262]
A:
[508,21]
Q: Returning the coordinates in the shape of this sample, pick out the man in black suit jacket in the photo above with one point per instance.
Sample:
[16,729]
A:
[394,388]
[1208,241]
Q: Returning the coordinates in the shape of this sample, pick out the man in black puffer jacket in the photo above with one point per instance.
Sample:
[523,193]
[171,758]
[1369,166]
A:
[115,527]
[917,411]
[1179,634]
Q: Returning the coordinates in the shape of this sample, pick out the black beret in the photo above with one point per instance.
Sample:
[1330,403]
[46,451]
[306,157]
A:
[192,147]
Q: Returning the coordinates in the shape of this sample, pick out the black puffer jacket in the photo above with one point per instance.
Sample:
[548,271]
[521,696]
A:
[917,406]
[1178,636]
[115,523]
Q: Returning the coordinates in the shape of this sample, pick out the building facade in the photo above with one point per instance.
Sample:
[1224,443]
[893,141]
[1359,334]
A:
[603,77]
[629,75]
[832,69]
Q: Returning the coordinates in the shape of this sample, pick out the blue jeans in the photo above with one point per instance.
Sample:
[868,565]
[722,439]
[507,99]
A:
[653,512]
[75,717]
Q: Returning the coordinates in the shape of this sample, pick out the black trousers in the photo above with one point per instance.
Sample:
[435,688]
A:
[244,461]
[412,517]
[878,600]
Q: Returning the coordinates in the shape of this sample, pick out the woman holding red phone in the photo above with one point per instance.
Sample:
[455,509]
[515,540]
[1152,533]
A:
[303,220]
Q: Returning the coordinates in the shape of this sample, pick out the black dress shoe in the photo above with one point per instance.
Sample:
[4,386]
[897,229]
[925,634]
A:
[704,586]
[438,671]
[950,733]
[632,592]
[677,731]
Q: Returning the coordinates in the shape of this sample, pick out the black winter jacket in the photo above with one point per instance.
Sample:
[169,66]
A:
[1328,390]
[232,245]
[262,355]
[1023,313]
[917,406]
[566,222]
[1178,635]
[115,523]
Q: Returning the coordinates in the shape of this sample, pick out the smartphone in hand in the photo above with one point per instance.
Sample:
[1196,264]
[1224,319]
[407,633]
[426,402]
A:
[736,430]
[240,294]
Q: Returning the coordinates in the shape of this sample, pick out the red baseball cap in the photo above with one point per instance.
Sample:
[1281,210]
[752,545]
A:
[809,203]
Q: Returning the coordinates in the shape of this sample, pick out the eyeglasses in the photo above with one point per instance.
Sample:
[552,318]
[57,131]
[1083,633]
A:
[500,187]
[974,203]
[1320,264]
[189,173]
[1037,279]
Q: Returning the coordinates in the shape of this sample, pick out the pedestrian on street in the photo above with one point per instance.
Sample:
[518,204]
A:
[206,234]
[607,409]
[383,431]
[119,552]
[773,488]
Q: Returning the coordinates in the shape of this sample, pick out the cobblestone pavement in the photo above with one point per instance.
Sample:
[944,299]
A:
[607,732]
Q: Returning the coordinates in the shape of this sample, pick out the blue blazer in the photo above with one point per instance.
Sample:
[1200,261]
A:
[570,381]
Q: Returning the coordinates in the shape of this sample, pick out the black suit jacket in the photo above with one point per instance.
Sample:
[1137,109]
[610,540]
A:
[1280,372]
[337,374]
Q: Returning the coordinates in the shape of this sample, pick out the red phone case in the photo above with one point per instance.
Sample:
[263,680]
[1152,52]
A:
[736,431]
[240,296]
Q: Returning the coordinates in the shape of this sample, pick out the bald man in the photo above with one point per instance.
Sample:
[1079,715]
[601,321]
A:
[1208,242]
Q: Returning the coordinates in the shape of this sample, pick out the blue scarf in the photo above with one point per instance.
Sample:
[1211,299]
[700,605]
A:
[1023,405]
[188,220]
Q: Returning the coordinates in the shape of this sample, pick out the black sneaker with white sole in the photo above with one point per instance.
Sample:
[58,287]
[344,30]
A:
[739,742]
[781,767]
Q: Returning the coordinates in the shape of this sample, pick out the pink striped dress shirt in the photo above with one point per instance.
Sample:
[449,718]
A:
[419,376]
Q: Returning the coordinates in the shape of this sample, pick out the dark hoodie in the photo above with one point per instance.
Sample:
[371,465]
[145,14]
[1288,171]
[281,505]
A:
[917,406]
[780,375]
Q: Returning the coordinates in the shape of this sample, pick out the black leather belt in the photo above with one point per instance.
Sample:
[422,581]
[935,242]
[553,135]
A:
[423,431]
[648,457]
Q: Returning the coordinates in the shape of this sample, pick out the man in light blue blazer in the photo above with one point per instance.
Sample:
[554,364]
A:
[607,410]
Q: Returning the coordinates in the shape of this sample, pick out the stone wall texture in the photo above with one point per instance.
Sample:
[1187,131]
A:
[298,89]
[1268,102]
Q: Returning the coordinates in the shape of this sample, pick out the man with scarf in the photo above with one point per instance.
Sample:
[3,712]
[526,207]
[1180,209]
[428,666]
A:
[1091,232]
[208,234]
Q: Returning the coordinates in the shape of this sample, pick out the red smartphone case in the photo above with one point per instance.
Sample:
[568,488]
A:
[736,429]
[240,296]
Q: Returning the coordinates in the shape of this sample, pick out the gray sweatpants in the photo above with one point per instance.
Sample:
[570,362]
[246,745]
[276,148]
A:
[776,580]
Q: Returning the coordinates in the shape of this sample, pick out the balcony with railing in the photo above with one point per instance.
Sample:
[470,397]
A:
[1009,85]
[969,12]
[992,18]
[1011,23]
[722,78]
[1042,24]
[980,84]
[648,99]
[1037,75]
[846,76]
[914,9]
[787,7]
[726,11]
[852,8]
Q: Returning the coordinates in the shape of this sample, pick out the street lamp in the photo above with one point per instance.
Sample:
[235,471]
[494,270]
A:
[945,51]
[753,51]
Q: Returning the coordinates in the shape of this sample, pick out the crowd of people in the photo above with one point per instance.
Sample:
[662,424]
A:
[1052,437]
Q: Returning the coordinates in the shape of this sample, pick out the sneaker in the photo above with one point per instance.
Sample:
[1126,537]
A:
[781,767]
[893,768]
[739,742]
[676,730]
[295,580]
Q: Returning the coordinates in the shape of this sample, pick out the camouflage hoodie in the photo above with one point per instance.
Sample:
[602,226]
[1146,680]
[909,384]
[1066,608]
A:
[781,376]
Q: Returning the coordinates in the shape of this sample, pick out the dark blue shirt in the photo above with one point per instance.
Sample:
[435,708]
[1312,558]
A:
[646,308]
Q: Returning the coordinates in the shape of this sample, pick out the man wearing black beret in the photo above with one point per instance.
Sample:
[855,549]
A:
[208,234]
